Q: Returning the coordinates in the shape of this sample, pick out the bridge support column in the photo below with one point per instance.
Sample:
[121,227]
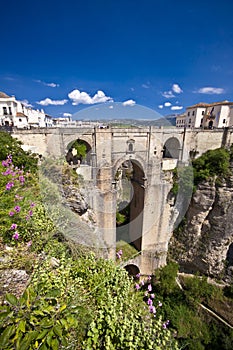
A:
[156,220]
[106,210]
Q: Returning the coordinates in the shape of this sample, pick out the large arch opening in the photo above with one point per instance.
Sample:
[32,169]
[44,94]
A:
[129,179]
[171,148]
[78,152]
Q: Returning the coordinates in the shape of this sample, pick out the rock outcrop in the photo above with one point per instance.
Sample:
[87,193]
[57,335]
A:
[203,242]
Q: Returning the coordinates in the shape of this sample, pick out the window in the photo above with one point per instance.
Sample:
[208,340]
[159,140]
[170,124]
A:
[188,114]
[189,120]
[193,113]
[201,120]
[203,112]
[224,121]
[20,119]
[4,110]
[10,112]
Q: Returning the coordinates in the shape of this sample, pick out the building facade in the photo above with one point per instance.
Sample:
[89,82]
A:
[207,115]
[15,113]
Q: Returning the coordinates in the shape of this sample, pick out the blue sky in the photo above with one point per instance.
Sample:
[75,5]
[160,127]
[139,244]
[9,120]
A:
[161,54]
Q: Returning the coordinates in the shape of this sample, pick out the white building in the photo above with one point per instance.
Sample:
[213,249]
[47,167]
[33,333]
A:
[207,115]
[15,113]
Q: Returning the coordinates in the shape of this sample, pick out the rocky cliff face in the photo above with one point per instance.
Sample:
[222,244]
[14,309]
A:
[204,241]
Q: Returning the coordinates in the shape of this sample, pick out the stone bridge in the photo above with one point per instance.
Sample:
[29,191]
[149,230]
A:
[153,153]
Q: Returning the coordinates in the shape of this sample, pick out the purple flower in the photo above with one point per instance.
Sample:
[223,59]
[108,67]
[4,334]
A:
[149,288]
[27,218]
[142,283]
[32,204]
[138,275]
[152,296]
[11,213]
[152,309]
[150,302]
[29,244]
[160,304]
[165,324]
[17,208]
[4,163]
[149,278]
[21,179]
[119,253]
[137,286]
[9,185]
[15,235]
[30,212]
[13,226]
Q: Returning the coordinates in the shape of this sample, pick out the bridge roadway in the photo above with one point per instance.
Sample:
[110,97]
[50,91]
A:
[154,153]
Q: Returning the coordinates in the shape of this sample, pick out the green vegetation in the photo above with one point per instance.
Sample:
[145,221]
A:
[195,328]
[74,299]
[80,147]
[211,164]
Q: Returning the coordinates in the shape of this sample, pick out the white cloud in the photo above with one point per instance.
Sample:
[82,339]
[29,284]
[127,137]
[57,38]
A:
[167,104]
[83,97]
[168,94]
[210,90]
[111,107]
[47,101]
[100,97]
[176,108]
[160,106]
[67,115]
[26,103]
[129,103]
[145,86]
[132,89]
[53,85]
[176,88]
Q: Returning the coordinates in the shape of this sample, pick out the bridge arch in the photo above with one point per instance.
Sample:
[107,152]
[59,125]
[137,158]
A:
[71,152]
[172,148]
[131,227]
[132,269]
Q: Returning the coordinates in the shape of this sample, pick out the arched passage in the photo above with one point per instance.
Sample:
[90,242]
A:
[130,180]
[171,148]
[132,270]
[78,152]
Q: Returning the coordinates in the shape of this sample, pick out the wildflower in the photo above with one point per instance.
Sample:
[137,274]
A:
[32,204]
[165,324]
[119,254]
[15,235]
[13,226]
[137,286]
[17,208]
[146,293]
[21,179]
[9,185]
[150,302]
[29,244]
[11,213]
[152,309]
[30,212]
[142,283]
[160,304]
[4,163]
[27,218]
[149,287]
[152,295]
[149,278]
[138,275]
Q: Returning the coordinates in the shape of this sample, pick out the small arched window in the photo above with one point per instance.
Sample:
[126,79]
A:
[130,144]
